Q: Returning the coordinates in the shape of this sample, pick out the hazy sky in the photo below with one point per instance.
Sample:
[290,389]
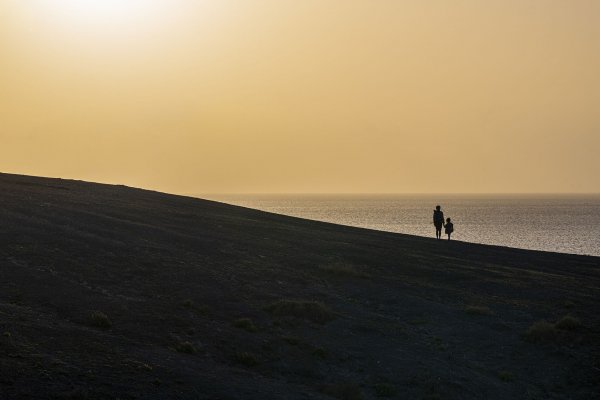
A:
[214,96]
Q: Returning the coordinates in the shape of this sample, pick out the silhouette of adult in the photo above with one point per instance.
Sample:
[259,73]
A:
[438,221]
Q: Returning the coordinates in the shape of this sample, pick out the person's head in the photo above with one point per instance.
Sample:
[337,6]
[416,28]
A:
[438,208]
[448,219]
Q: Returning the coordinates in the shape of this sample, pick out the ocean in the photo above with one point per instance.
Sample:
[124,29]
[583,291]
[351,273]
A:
[558,223]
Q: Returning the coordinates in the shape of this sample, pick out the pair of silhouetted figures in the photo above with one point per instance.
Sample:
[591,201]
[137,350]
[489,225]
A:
[438,221]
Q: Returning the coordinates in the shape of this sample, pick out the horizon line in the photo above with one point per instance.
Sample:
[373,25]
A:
[388,193]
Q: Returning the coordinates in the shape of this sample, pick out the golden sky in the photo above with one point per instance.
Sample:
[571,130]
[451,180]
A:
[381,96]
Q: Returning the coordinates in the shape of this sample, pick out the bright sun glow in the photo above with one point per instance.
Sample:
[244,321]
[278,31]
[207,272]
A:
[94,16]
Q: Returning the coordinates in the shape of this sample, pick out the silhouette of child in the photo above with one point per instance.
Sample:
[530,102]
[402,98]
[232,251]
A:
[449,227]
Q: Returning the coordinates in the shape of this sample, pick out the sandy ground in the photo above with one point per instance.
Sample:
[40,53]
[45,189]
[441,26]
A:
[111,292]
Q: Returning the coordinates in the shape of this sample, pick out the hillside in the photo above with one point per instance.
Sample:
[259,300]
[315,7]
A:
[112,292]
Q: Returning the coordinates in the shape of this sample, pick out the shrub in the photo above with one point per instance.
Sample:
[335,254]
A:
[100,320]
[506,376]
[343,391]
[74,394]
[200,309]
[568,323]
[292,340]
[309,310]
[569,304]
[541,331]
[320,352]
[186,347]
[385,390]
[245,324]
[478,310]
[246,359]
[419,321]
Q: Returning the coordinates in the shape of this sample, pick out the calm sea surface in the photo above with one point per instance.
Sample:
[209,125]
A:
[561,223]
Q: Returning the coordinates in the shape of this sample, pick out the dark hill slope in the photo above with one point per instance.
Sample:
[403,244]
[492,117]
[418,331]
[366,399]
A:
[192,292]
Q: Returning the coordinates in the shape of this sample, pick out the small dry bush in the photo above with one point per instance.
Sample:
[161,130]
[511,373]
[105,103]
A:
[186,347]
[246,359]
[343,391]
[506,376]
[320,352]
[541,331]
[245,324]
[100,320]
[385,390]
[309,310]
[478,310]
[291,340]
[74,394]
[569,304]
[200,309]
[568,323]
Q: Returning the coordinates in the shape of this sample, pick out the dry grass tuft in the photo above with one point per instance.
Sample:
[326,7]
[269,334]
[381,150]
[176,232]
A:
[100,320]
[568,323]
[478,310]
[291,340]
[186,347]
[506,376]
[200,309]
[569,304]
[343,391]
[245,324]
[541,331]
[385,390]
[246,359]
[320,353]
[309,310]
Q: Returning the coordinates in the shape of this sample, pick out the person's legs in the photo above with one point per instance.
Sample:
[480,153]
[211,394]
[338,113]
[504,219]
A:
[449,236]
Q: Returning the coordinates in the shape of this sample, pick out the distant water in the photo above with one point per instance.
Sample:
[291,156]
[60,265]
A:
[560,223]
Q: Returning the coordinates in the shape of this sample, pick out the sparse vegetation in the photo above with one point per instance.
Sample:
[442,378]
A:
[478,310]
[320,352]
[545,331]
[385,390]
[569,304]
[407,332]
[419,321]
[309,310]
[568,323]
[100,320]
[74,394]
[245,324]
[292,340]
[506,376]
[438,343]
[343,391]
[186,347]
[199,309]
[541,331]
[246,358]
